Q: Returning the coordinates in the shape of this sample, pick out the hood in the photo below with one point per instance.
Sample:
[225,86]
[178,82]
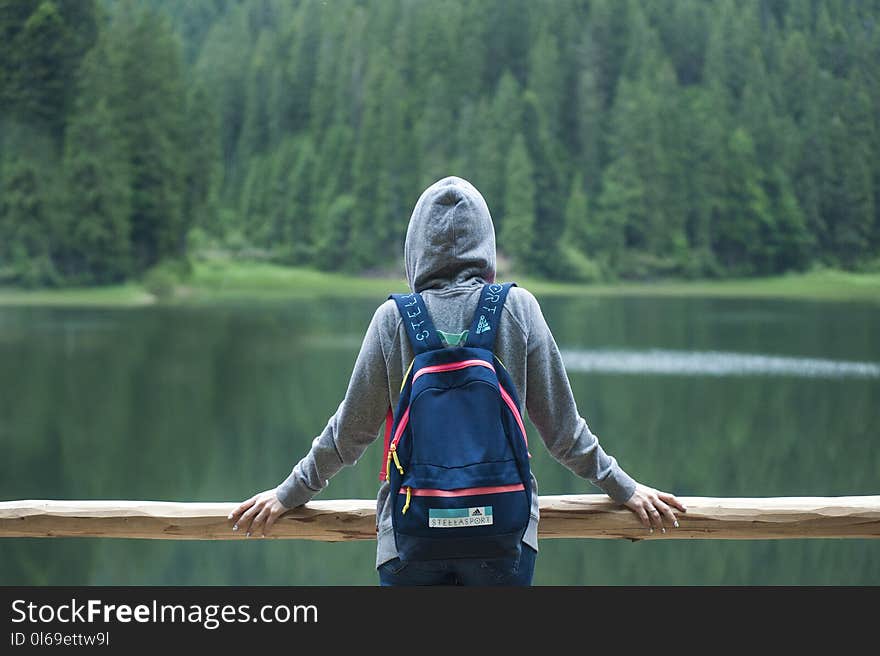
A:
[450,237]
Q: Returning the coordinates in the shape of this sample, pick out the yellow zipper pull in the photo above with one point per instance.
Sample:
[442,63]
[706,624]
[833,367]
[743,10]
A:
[408,497]
[393,451]
[388,467]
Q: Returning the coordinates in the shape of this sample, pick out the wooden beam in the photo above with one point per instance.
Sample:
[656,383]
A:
[569,516]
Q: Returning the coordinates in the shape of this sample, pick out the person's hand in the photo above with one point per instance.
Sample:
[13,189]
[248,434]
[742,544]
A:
[257,513]
[652,507]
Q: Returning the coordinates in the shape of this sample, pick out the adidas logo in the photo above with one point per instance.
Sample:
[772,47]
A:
[483,325]
[476,512]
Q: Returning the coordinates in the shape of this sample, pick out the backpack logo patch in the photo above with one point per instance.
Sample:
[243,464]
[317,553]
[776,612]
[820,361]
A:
[483,325]
[458,517]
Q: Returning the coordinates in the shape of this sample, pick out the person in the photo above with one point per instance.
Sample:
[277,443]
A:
[449,255]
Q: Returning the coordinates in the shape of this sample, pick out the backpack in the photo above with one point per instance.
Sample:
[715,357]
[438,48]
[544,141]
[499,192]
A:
[456,451]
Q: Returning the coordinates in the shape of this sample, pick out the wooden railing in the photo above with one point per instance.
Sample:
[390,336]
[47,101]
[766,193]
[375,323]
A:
[570,516]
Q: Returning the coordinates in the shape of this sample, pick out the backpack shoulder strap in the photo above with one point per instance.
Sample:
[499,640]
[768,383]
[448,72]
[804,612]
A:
[419,327]
[487,315]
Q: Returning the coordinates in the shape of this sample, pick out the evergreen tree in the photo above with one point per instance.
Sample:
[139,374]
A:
[518,232]
[547,159]
[832,43]
[223,64]
[758,112]
[151,109]
[42,45]
[432,131]
[96,167]
[293,96]
[609,37]
[507,49]
[473,161]
[792,243]
[643,51]
[577,219]
[256,131]
[13,16]
[332,237]
[589,132]
[495,142]
[547,82]
[293,201]
[39,48]
[706,161]
[621,198]
[848,201]
[327,66]
[733,33]
[798,77]
[255,205]
[633,149]
[27,224]
[470,50]
[744,219]
[332,171]
[203,159]
[381,175]
[683,31]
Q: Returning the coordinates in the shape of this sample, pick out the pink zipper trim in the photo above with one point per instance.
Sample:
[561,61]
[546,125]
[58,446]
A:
[463,364]
[516,415]
[452,366]
[463,492]
[404,420]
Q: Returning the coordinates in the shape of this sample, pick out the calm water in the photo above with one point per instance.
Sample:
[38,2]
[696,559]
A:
[700,397]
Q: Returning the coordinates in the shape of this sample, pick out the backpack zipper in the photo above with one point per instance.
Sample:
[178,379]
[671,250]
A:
[452,366]
[461,492]
[464,491]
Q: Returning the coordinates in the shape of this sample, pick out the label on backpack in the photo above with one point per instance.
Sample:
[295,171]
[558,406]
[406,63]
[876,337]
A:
[458,517]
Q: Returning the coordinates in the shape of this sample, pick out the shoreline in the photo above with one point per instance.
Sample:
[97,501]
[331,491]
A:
[215,282]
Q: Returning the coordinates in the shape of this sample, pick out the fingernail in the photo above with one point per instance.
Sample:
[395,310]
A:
[663,529]
[675,524]
[650,530]
[248,534]
[235,527]
[229,516]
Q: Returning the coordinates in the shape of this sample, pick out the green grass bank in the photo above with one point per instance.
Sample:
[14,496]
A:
[228,281]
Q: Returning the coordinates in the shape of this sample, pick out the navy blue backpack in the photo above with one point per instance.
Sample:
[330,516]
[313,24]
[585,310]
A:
[457,455]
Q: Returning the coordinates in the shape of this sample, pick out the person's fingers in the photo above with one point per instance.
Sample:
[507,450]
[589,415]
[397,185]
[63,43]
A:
[244,524]
[666,511]
[642,515]
[236,514]
[260,519]
[654,514]
[273,516]
[672,500]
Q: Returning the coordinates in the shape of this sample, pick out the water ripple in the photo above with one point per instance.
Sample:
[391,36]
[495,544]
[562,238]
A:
[713,363]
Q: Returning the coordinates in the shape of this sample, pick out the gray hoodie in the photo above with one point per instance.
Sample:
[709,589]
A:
[449,254]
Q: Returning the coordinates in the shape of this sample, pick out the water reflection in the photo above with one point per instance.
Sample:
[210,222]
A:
[712,363]
[215,403]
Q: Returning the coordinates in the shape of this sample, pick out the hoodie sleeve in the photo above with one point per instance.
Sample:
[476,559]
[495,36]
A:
[351,429]
[553,411]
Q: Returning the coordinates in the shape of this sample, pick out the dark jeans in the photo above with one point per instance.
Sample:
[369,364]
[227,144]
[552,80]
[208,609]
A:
[463,571]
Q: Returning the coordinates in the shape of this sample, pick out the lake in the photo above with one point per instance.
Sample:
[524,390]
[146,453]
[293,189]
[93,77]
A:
[700,397]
